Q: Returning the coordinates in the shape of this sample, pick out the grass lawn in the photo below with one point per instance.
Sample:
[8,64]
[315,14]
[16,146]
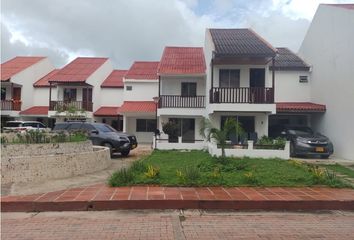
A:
[341,169]
[198,168]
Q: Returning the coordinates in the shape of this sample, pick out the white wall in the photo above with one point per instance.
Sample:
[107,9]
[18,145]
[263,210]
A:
[96,80]
[111,96]
[41,96]
[27,77]
[171,85]
[329,47]
[141,90]
[142,137]
[288,87]
[208,50]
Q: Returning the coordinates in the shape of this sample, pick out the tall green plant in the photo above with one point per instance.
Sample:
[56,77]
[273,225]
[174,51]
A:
[208,131]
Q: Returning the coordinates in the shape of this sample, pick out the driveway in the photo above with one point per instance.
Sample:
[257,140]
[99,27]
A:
[331,160]
[118,162]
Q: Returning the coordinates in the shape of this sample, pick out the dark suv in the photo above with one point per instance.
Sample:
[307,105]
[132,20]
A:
[303,141]
[102,135]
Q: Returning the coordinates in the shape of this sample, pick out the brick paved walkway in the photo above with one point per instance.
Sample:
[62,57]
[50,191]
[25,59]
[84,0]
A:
[102,197]
[168,225]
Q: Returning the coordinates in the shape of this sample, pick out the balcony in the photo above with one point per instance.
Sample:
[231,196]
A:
[176,101]
[70,106]
[10,105]
[257,95]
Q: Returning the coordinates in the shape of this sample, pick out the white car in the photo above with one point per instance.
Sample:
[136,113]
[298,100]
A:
[23,126]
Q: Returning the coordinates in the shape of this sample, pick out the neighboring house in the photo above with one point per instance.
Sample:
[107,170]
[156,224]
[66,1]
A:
[329,47]
[182,90]
[77,84]
[17,78]
[111,99]
[293,91]
[139,108]
[239,82]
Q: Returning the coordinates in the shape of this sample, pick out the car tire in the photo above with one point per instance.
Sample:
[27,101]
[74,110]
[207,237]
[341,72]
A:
[125,153]
[292,150]
[110,148]
[324,156]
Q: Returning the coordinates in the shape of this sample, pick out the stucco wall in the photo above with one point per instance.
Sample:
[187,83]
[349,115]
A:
[142,137]
[329,47]
[111,96]
[141,90]
[171,85]
[40,162]
[288,87]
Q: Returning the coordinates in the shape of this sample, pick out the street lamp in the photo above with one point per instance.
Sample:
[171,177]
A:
[156,101]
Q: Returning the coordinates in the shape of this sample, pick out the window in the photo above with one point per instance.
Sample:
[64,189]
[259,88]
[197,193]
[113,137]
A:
[189,89]
[303,79]
[104,128]
[229,78]
[75,126]
[69,94]
[128,88]
[87,127]
[145,125]
[3,93]
[33,124]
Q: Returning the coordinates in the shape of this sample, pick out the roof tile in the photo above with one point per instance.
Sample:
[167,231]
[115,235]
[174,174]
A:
[43,82]
[78,70]
[36,110]
[107,111]
[115,79]
[143,70]
[138,106]
[287,60]
[16,65]
[182,60]
[300,107]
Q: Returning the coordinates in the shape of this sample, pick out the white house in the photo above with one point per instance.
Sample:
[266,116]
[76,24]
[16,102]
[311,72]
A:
[17,78]
[139,108]
[329,47]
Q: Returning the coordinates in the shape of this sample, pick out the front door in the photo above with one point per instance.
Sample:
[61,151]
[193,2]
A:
[257,84]
[87,99]
[186,129]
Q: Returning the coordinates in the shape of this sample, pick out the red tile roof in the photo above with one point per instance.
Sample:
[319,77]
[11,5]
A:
[143,70]
[107,111]
[36,110]
[346,6]
[43,82]
[115,79]
[138,106]
[300,107]
[78,70]
[16,65]
[182,60]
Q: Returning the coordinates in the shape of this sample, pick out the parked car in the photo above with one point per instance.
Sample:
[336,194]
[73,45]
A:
[102,135]
[304,141]
[23,126]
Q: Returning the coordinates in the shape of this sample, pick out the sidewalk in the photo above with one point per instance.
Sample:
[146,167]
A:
[101,197]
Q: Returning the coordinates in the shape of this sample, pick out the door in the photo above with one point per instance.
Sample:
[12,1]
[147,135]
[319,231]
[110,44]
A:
[87,99]
[257,84]
[189,89]
[16,96]
[188,130]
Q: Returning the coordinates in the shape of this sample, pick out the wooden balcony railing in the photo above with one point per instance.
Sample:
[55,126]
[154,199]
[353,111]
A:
[242,95]
[176,101]
[70,105]
[11,105]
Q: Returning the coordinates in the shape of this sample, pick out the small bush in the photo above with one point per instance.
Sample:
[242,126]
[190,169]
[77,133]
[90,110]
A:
[121,177]
[318,174]
[192,175]
[138,166]
[269,143]
[152,172]
[296,163]
[250,178]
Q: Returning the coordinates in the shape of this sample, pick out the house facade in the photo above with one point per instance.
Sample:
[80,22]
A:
[329,47]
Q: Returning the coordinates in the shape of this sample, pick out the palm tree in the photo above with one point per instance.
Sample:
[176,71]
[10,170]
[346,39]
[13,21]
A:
[231,126]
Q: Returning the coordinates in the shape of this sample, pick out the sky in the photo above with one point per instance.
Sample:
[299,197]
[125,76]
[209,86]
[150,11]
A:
[138,30]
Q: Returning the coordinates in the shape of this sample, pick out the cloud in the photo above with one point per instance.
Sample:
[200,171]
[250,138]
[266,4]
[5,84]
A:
[126,31]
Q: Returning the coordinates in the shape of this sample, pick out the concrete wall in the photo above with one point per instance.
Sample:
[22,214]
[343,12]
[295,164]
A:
[41,96]
[329,47]
[111,96]
[171,85]
[142,90]
[288,87]
[142,137]
[40,162]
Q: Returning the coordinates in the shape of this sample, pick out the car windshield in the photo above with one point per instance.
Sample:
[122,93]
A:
[301,131]
[13,124]
[104,128]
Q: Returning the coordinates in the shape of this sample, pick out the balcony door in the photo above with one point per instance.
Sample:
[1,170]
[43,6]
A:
[189,89]
[87,99]
[70,94]
[16,96]
[257,84]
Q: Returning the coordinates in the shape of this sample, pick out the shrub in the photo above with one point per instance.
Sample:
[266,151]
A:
[138,166]
[192,175]
[250,178]
[121,177]
[296,163]
[318,174]
[266,142]
[152,172]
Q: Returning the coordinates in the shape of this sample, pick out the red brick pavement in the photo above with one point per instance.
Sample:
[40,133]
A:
[194,225]
[102,197]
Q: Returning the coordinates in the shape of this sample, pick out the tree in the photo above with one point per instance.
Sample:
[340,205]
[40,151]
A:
[208,131]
